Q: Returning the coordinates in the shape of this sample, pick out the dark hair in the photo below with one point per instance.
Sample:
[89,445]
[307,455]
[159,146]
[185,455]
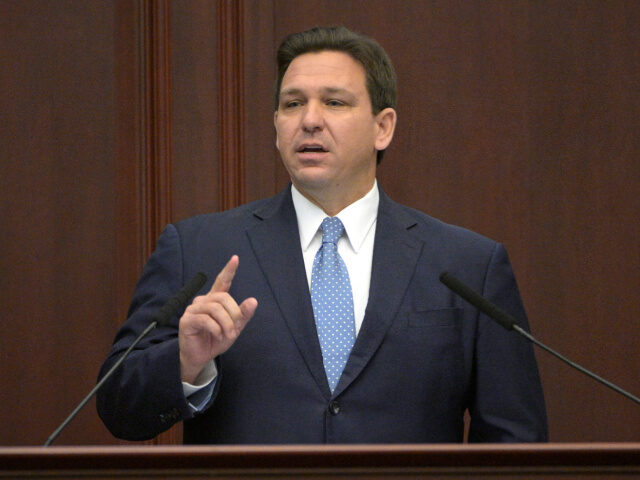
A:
[380,75]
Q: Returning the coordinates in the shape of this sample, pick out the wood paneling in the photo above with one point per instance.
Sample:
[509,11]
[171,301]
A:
[57,190]
[196,124]
[86,188]
[155,117]
[231,100]
[265,174]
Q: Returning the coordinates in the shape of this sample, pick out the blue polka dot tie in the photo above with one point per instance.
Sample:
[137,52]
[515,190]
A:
[332,302]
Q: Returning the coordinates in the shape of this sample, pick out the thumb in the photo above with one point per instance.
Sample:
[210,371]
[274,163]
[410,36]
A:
[248,308]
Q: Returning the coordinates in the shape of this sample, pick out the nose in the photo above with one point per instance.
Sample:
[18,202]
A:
[312,118]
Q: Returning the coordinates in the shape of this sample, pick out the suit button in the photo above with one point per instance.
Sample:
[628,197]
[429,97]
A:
[334,408]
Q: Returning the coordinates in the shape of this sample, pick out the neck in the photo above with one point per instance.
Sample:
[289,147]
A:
[333,202]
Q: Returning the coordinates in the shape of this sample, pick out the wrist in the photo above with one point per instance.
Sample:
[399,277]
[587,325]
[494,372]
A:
[189,372]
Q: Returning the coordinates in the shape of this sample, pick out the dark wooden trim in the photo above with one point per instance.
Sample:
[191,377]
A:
[129,194]
[155,118]
[144,137]
[143,166]
[155,133]
[322,461]
[231,112]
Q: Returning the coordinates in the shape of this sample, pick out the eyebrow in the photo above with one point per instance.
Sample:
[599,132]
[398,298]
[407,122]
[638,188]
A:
[325,90]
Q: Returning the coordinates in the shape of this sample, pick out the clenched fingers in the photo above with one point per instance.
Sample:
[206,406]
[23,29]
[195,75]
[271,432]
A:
[220,307]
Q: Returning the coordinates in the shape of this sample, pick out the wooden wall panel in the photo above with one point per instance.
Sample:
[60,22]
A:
[231,104]
[581,254]
[86,188]
[57,207]
[196,125]
[265,175]
[154,114]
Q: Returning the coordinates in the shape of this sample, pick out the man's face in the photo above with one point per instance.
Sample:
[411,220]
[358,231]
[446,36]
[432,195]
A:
[327,134]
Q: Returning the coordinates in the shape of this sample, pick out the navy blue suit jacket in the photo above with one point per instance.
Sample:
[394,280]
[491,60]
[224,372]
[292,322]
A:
[422,357]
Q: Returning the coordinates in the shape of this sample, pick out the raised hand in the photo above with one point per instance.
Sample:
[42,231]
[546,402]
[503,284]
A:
[211,324]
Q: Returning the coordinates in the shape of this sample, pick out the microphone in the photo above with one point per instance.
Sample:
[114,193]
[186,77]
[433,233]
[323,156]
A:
[160,318]
[179,300]
[510,323]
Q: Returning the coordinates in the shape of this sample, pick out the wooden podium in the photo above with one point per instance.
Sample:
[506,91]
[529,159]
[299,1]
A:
[526,461]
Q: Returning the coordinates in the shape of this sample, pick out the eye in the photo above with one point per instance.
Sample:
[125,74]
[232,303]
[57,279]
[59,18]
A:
[292,104]
[335,103]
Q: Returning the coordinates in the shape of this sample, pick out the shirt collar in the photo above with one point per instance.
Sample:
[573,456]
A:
[357,218]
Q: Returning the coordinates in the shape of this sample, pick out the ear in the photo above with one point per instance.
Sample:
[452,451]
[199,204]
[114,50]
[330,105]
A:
[275,124]
[385,126]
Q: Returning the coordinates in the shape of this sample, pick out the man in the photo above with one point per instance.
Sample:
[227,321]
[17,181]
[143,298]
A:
[271,352]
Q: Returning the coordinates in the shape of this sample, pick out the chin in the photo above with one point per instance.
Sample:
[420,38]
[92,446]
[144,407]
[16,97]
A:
[311,182]
[310,173]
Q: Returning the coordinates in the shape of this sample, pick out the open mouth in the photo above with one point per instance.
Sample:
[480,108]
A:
[311,149]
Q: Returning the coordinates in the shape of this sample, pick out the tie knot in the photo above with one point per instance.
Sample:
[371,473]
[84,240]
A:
[332,230]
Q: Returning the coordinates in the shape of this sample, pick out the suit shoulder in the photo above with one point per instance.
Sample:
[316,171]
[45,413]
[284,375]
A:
[431,229]
[226,221]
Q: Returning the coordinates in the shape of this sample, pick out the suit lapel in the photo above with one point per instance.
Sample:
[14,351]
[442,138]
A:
[395,256]
[276,244]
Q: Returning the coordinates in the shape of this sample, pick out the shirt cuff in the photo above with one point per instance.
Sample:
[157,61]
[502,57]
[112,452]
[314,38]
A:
[199,393]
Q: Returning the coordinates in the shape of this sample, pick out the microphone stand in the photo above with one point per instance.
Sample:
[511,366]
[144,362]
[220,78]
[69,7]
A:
[72,415]
[161,317]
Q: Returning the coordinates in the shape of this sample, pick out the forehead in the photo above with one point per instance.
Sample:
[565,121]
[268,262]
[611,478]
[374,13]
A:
[326,69]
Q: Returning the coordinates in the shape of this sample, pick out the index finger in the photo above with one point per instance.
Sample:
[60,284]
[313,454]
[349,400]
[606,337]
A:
[225,277]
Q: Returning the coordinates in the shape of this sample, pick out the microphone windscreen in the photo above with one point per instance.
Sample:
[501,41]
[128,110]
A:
[478,301]
[179,300]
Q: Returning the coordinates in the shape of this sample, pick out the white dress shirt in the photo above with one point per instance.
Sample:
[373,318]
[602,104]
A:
[355,246]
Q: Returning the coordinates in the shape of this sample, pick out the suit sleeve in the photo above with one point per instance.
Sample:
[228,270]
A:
[145,396]
[507,404]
